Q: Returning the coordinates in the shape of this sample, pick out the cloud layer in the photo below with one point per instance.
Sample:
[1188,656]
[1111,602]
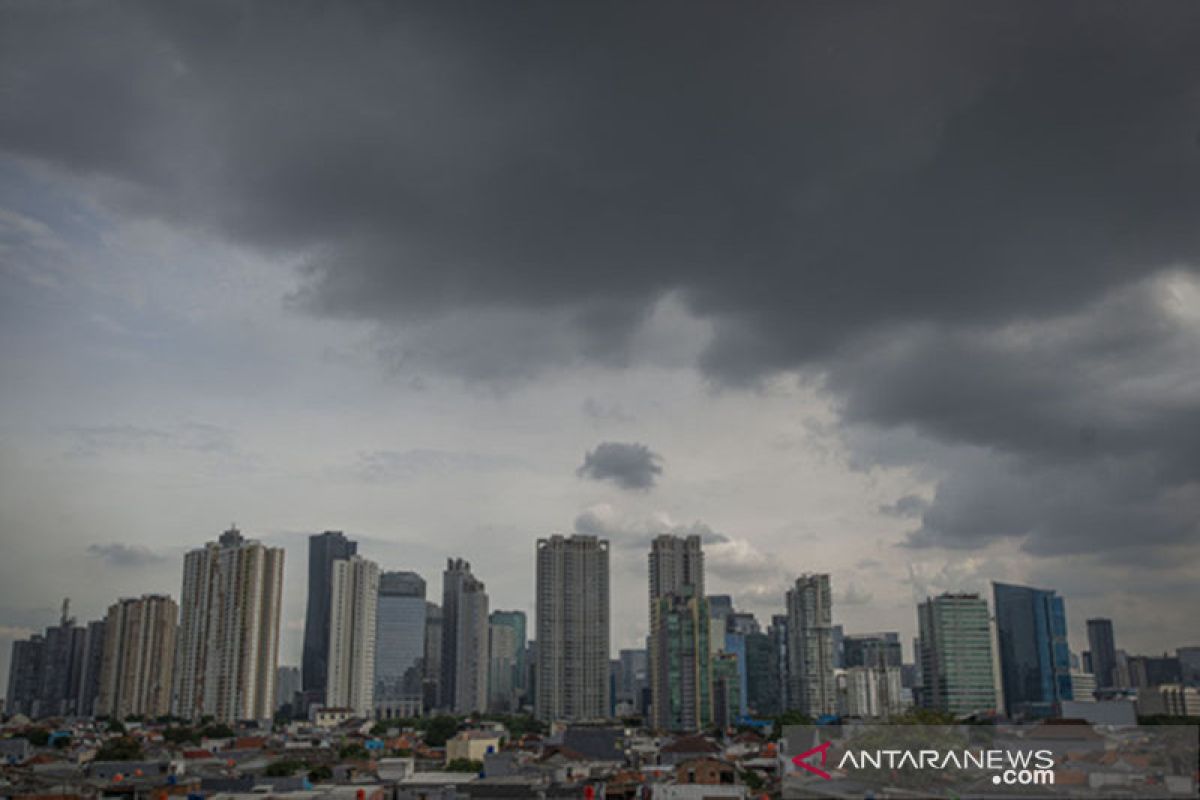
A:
[629,465]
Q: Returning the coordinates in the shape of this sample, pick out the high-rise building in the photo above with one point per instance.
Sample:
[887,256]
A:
[572,629]
[465,631]
[227,650]
[432,688]
[762,676]
[676,566]
[871,650]
[735,645]
[506,660]
[354,603]
[287,688]
[62,666]
[136,678]
[954,653]
[323,550]
[812,690]
[680,636]
[56,673]
[25,676]
[839,647]
[778,631]
[720,607]
[681,694]
[726,691]
[400,645]
[1147,671]
[632,679]
[93,664]
[1102,647]
[1189,664]
[873,692]
[1035,661]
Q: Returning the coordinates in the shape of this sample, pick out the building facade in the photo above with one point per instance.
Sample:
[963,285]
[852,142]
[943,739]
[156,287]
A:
[1102,647]
[682,689]
[25,676]
[812,690]
[1035,661]
[572,629]
[871,650]
[400,645]
[465,631]
[432,689]
[323,550]
[138,666]
[954,653]
[679,651]
[353,607]
[227,649]
[506,660]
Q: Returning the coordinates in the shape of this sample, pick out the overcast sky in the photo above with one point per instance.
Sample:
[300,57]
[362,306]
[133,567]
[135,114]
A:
[907,293]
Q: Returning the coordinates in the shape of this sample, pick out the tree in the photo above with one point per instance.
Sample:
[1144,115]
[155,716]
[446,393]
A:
[752,779]
[464,765]
[38,737]
[439,729]
[181,735]
[115,726]
[124,748]
[320,772]
[217,731]
[284,768]
[924,716]
[353,751]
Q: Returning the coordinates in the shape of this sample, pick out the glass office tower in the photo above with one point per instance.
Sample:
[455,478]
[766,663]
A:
[1035,662]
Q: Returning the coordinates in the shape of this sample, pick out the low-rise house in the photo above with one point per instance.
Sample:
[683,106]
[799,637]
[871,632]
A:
[687,748]
[472,745]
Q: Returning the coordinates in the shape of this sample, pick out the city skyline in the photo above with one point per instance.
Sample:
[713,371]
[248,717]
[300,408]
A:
[222,660]
[906,295]
[1078,640]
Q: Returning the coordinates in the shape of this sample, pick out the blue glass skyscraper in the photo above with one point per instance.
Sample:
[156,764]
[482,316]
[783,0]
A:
[1035,661]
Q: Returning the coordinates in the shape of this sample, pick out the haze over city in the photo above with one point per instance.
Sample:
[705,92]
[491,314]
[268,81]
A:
[907,298]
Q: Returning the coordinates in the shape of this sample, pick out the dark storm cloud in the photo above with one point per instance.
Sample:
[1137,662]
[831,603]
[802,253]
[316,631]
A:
[118,554]
[958,214]
[627,464]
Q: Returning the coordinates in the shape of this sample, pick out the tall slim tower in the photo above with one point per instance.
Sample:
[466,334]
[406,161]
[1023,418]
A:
[400,645]
[323,550]
[812,690]
[354,600]
[679,644]
[227,651]
[1103,648]
[464,639]
[139,657]
[432,688]
[572,629]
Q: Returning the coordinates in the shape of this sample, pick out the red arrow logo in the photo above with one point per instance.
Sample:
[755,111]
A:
[800,762]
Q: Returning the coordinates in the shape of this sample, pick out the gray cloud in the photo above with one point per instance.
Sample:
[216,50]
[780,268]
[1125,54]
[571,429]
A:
[910,505]
[96,440]
[394,465]
[975,224]
[118,554]
[636,532]
[629,465]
